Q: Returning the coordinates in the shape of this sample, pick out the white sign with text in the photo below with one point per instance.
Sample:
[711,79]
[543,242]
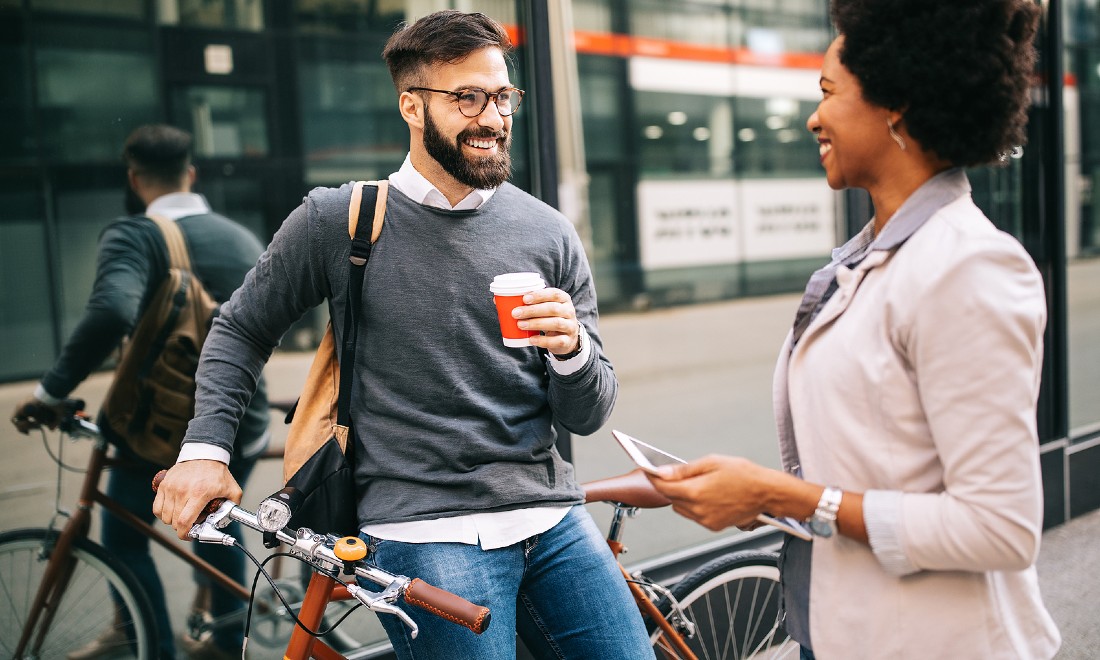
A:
[699,223]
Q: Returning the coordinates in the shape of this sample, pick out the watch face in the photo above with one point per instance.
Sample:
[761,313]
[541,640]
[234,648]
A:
[821,527]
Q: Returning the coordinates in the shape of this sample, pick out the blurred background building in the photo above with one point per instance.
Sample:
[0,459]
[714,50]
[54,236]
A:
[672,132]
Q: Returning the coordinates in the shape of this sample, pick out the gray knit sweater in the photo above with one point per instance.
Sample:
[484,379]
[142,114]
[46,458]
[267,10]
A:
[449,421]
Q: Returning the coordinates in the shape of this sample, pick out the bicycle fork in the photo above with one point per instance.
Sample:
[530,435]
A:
[676,627]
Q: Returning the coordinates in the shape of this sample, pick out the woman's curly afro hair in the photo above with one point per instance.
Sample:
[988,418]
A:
[958,70]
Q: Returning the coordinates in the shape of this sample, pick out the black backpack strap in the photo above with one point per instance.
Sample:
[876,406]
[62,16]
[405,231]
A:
[372,211]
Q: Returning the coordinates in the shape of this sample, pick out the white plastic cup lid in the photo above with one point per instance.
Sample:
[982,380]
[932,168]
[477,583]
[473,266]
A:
[514,284]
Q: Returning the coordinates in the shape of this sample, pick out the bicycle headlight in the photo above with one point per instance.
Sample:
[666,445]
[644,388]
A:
[273,513]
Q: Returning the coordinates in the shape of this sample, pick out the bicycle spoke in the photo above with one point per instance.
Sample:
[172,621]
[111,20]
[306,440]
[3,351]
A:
[83,611]
[751,626]
[733,604]
[10,609]
[730,609]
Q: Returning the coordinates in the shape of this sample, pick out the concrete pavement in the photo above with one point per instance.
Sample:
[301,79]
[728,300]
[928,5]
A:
[1069,575]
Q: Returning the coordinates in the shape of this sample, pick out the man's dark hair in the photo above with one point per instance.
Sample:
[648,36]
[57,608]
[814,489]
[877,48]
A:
[958,70]
[441,38]
[160,152]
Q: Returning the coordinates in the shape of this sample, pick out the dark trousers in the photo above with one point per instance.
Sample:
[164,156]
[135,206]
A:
[131,487]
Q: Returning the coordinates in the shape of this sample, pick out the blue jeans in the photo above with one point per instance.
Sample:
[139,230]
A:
[130,486]
[561,590]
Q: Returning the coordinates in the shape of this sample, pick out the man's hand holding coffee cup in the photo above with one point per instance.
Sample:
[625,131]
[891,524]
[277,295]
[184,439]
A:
[550,312]
[532,314]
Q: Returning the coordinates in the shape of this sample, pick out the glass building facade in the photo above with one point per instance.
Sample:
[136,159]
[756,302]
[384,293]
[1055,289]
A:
[690,174]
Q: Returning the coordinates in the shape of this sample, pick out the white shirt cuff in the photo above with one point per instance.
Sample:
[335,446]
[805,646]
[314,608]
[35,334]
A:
[575,363]
[882,518]
[45,397]
[195,451]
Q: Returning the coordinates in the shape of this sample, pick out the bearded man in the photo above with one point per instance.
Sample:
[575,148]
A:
[460,481]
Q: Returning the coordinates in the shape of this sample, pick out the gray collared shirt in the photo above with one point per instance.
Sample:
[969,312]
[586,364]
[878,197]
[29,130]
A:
[913,213]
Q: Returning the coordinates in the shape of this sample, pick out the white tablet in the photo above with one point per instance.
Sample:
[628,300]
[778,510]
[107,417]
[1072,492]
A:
[788,525]
[646,456]
[649,458]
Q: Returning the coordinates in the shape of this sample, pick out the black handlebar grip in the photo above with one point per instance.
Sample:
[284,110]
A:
[211,506]
[448,606]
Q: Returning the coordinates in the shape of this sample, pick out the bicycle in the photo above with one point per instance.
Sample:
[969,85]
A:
[55,583]
[331,557]
[727,608]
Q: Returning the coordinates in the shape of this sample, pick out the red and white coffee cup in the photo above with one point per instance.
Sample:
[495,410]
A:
[508,291]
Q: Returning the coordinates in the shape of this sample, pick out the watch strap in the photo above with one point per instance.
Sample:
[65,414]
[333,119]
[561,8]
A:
[823,522]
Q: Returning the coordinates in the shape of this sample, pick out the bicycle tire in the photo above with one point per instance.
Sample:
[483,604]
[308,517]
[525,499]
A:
[85,610]
[733,603]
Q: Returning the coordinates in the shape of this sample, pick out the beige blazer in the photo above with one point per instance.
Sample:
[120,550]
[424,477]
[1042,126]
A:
[917,385]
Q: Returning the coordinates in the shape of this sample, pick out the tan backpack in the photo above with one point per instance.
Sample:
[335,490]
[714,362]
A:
[152,397]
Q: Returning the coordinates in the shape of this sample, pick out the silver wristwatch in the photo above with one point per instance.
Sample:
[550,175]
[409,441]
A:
[823,522]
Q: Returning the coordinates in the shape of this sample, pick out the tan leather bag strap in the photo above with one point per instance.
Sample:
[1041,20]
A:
[314,419]
[178,256]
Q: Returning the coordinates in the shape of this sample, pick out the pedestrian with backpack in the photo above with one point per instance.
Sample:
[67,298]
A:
[141,264]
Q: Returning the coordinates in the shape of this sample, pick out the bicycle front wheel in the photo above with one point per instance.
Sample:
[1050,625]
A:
[84,612]
[729,609]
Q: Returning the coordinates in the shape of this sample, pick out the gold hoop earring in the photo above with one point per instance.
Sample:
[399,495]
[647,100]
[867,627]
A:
[894,134]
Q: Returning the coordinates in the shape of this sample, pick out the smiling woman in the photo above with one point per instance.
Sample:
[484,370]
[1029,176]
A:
[905,394]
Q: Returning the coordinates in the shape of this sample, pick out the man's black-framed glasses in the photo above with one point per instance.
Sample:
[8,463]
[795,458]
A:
[473,100]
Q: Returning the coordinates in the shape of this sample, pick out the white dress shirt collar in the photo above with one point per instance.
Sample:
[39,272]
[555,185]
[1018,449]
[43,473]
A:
[420,190]
[179,205]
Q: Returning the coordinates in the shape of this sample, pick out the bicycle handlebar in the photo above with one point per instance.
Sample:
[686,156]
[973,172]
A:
[68,416]
[317,550]
[447,605]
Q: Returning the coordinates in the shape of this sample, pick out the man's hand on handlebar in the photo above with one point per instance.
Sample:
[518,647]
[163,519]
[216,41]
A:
[187,488]
[31,414]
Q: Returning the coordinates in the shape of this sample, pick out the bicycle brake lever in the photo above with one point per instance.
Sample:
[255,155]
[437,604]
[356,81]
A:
[206,533]
[219,517]
[377,602]
[207,530]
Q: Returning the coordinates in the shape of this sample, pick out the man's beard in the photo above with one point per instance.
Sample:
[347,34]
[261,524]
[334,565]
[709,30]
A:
[481,173]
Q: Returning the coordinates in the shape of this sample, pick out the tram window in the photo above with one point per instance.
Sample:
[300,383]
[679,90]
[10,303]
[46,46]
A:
[684,133]
[772,140]
[241,197]
[592,15]
[229,14]
[226,122]
[336,17]
[602,106]
[17,139]
[27,315]
[350,128]
[722,136]
[80,122]
[800,26]
[695,22]
[114,8]
[347,16]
